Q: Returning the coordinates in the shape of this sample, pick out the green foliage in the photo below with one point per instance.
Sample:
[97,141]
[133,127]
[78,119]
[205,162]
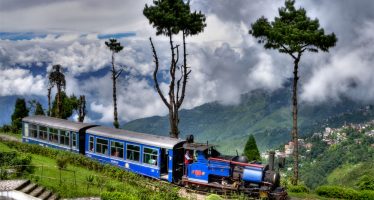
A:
[39,109]
[114,45]
[366,194]
[20,163]
[90,181]
[171,16]
[344,193]
[366,183]
[20,111]
[292,32]
[329,165]
[62,161]
[213,197]
[134,185]
[69,104]
[298,189]
[251,150]
[116,196]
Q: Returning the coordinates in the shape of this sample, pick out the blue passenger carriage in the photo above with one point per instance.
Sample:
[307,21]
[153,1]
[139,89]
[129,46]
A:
[150,155]
[55,133]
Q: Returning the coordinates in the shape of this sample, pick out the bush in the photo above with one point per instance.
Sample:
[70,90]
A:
[336,192]
[214,197]
[298,189]
[117,196]
[62,161]
[366,194]
[366,183]
[19,162]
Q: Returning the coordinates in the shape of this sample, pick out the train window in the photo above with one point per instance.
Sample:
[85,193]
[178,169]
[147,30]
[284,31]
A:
[116,149]
[74,140]
[64,138]
[33,131]
[150,156]
[43,134]
[101,146]
[133,152]
[53,135]
[91,146]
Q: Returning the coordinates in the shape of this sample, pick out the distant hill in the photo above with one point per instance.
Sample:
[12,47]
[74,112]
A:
[266,115]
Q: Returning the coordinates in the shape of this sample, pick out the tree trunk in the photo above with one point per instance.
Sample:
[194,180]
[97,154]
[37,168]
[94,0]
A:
[49,101]
[82,108]
[294,126]
[59,104]
[115,123]
[173,111]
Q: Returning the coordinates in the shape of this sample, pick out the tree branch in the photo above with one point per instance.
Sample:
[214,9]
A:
[288,51]
[155,75]
[185,73]
[118,73]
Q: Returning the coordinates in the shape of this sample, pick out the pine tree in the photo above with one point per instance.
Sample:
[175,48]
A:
[39,109]
[251,150]
[20,111]
[293,33]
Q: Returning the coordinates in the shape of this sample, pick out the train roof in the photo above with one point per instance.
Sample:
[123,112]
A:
[131,136]
[57,123]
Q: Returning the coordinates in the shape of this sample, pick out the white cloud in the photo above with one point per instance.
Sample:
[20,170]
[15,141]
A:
[349,73]
[20,82]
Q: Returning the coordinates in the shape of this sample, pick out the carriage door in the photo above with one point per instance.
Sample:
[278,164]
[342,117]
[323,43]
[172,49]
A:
[164,164]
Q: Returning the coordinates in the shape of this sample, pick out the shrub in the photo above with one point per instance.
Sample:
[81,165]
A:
[117,196]
[366,194]
[298,189]
[62,161]
[366,183]
[214,197]
[19,162]
[337,192]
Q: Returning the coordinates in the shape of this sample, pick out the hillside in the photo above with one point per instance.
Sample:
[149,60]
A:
[266,115]
[346,162]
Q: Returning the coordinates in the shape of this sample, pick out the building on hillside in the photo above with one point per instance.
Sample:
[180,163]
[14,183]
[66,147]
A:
[288,148]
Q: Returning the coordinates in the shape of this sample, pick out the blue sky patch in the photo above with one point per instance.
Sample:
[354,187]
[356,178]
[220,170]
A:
[21,35]
[116,35]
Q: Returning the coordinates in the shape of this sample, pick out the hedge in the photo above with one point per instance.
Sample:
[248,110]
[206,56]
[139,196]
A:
[298,189]
[344,193]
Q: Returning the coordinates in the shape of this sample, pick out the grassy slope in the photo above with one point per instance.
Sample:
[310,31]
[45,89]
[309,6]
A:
[349,174]
[47,168]
[51,177]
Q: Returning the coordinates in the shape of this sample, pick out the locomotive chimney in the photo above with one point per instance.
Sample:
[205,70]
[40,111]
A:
[271,160]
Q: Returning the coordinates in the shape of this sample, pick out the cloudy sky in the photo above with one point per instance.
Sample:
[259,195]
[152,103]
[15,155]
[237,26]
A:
[224,59]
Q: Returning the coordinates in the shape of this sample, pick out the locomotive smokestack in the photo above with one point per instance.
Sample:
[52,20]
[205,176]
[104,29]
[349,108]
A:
[271,160]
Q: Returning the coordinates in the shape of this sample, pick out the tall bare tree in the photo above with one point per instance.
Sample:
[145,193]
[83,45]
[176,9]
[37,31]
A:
[293,33]
[81,108]
[169,17]
[56,78]
[115,47]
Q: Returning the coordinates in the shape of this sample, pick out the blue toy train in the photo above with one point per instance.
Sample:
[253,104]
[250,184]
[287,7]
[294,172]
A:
[177,161]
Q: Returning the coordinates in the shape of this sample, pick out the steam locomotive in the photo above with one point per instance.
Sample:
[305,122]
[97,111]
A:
[182,162]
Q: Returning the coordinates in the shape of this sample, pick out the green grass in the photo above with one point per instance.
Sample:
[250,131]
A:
[47,174]
[4,148]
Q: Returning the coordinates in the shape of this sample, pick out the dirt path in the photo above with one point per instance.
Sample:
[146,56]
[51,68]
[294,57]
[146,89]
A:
[9,137]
